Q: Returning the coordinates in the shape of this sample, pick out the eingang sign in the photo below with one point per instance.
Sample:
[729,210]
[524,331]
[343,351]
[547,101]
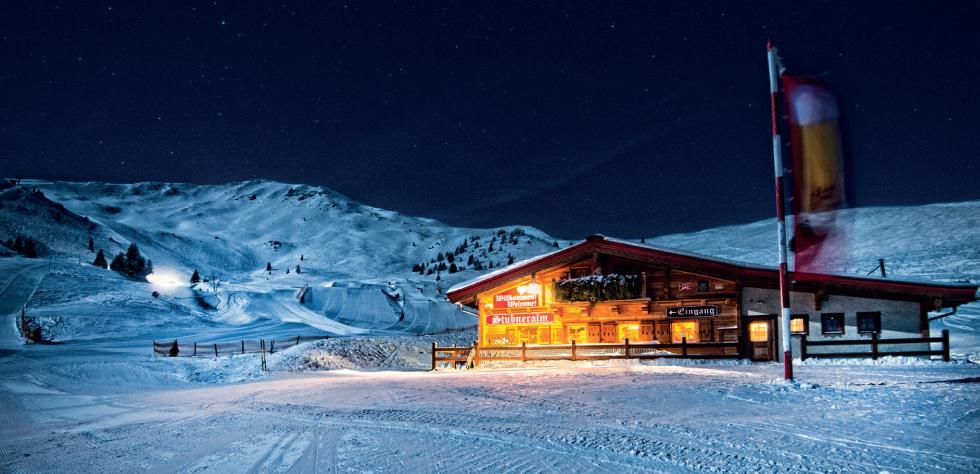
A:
[692,311]
[521,318]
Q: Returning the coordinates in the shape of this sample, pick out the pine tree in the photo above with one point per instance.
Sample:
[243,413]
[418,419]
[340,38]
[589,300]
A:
[18,244]
[642,240]
[301,257]
[452,268]
[442,267]
[196,277]
[297,269]
[132,254]
[91,245]
[450,258]
[268,267]
[118,263]
[555,244]
[100,260]
[440,257]
[510,259]
[490,248]
[469,261]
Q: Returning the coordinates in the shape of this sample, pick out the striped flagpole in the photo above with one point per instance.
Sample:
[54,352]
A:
[777,156]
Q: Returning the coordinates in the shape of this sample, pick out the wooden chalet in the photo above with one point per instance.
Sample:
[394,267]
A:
[608,291]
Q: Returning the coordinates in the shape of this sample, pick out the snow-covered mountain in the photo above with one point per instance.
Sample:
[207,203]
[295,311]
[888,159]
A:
[370,268]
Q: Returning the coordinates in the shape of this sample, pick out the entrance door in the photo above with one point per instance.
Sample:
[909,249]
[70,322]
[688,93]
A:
[762,339]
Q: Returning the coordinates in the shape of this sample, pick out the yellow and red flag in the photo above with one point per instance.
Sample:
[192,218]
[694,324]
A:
[819,240]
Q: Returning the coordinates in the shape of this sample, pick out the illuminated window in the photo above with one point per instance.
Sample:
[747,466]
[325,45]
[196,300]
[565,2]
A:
[799,324]
[684,329]
[629,331]
[577,334]
[759,331]
[869,322]
[832,323]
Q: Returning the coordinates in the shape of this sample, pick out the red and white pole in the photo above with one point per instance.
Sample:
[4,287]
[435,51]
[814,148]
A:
[777,157]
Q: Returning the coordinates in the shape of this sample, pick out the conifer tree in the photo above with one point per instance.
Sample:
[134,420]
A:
[452,268]
[18,244]
[268,267]
[118,263]
[196,277]
[297,269]
[510,259]
[100,260]
[469,261]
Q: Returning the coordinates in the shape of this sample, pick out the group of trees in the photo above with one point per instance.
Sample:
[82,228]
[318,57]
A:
[25,246]
[131,263]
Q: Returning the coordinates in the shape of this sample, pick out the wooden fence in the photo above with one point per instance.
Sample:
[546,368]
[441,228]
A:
[874,344]
[217,349]
[473,356]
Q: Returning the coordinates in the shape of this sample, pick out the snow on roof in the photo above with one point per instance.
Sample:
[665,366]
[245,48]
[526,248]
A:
[516,265]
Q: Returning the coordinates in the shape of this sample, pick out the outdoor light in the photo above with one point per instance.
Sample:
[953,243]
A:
[533,288]
[166,278]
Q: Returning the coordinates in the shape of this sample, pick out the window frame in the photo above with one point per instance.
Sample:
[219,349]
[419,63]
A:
[876,315]
[824,317]
[806,324]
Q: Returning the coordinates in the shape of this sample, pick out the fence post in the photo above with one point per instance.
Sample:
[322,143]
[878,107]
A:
[243,346]
[802,347]
[874,346]
[684,346]
[195,349]
[945,345]
[272,347]
[523,351]
[433,355]
[573,349]
[626,352]
[297,340]
[476,354]
[216,349]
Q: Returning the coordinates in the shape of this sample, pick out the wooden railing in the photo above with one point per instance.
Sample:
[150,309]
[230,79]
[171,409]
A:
[456,355]
[573,351]
[874,345]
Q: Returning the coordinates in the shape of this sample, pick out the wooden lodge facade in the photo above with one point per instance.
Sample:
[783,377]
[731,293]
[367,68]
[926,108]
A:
[607,291]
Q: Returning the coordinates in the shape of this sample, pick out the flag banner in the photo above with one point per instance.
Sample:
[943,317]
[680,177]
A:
[819,240]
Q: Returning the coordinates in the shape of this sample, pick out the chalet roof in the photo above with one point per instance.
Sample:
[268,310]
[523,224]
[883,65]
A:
[951,294]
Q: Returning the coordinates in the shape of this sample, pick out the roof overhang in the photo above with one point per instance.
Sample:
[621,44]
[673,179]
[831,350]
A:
[748,274]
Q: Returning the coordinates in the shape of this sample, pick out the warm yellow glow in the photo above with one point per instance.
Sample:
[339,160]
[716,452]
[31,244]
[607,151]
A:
[759,331]
[534,288]
[166,278]
[796,325]
[684,329]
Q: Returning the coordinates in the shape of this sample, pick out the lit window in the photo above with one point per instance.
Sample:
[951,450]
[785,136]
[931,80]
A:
[869,322]
[832,323]
[684,329]
[799,324]
[759,331]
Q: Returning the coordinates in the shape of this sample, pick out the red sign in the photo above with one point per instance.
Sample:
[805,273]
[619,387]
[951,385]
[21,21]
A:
[514,299]
[521,318]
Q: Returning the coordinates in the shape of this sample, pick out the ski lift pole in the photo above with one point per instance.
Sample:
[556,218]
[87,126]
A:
[777,156]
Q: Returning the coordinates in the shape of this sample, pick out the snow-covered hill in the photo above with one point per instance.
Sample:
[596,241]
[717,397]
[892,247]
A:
[369,269]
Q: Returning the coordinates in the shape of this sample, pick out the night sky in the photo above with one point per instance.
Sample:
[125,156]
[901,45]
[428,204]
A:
[626,119]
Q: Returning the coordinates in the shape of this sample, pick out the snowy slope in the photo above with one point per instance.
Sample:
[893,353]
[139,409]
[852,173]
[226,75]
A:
[230,233]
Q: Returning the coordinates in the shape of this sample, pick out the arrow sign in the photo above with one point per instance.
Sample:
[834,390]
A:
[692,311]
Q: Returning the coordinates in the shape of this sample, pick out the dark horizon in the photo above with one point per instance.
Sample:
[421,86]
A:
[622,119]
